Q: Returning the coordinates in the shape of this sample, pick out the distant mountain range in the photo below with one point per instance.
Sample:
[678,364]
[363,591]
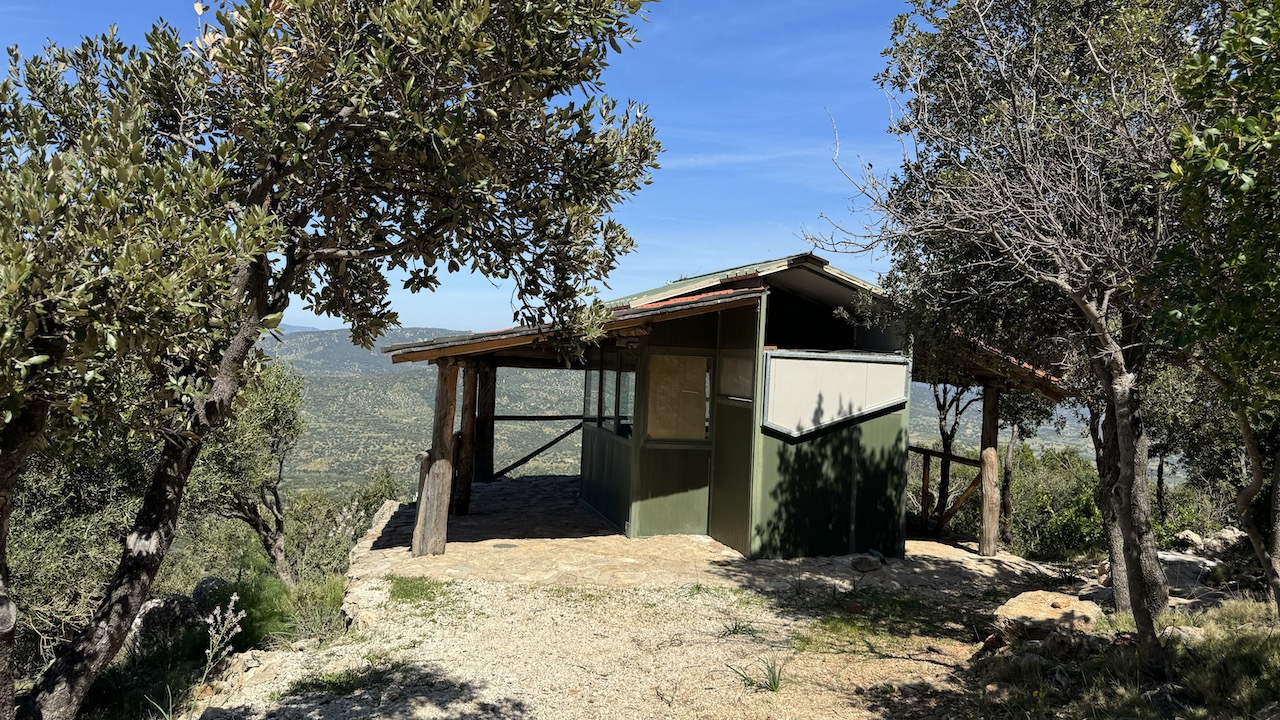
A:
[362,412]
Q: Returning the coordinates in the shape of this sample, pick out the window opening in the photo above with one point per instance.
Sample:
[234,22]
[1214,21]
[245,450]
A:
[679,397]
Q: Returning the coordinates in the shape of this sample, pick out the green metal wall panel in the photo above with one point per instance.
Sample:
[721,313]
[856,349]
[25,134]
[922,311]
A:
[606,474]
[833,492]
[879,513]
[734,431]
[729,518]
[671,495]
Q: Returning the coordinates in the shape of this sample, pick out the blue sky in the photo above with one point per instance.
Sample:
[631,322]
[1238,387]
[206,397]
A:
[743,94]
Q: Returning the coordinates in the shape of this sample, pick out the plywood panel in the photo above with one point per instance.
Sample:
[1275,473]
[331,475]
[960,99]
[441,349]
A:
[805,392]
[677,397]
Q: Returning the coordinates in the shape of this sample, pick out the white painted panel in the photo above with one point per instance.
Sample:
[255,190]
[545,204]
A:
[805,392]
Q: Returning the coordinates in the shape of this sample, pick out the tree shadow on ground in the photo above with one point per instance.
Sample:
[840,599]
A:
[397,692]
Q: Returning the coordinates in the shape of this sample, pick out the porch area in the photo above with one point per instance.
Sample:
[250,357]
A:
[535,531]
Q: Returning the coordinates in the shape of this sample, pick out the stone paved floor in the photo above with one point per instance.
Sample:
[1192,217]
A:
[534,531]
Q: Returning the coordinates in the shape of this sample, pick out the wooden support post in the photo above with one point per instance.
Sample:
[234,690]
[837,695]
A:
[466,452]
[989,531]
[925,504]
[433,502]
[486,393]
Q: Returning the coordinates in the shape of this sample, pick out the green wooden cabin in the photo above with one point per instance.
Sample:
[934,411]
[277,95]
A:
[737,404]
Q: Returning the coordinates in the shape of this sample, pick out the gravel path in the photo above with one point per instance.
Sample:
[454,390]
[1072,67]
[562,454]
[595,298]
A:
[688,629]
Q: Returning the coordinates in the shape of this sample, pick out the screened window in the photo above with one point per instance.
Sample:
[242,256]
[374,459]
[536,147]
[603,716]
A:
[591,404]
[626,399]
[679,397]
[609,392]
[737,379]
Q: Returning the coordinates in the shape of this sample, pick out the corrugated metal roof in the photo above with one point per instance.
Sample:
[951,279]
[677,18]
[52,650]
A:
[758,269]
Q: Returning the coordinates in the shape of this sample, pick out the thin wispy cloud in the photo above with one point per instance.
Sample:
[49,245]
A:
[715,160]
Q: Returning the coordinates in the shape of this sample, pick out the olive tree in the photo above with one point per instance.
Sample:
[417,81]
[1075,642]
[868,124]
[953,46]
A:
[1031,132]
[342,139]
[110,246]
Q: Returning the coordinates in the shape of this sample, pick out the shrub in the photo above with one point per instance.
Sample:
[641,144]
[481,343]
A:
[317,608]
[1189,507]
[1055,513]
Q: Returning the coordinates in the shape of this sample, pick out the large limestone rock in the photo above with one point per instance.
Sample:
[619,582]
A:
[1226,542]
[1034,615]
[210,592]
[1189,540]
[161,622]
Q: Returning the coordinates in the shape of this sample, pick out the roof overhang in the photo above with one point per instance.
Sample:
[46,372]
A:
[535,338]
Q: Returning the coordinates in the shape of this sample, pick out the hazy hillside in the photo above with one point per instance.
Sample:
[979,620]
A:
[924,425]
[362,412]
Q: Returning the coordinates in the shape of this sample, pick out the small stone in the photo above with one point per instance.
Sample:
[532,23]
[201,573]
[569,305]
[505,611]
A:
[1061,677]
[305,644]
[866,562]
[1185,635]
[1031,663]
[996,693]
[1059,644]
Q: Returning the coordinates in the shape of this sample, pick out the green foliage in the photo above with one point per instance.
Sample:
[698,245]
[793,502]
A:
[770,678]
[738,627]
[415,589]
[65,539]
[112,241]
[1190,507]
[317,608]
[244,457]
[268,607]
[342,682]
[1055,514]
[1224,304]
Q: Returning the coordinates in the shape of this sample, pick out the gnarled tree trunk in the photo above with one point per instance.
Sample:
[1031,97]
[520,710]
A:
[1148,588]
[1268,554]
[60,690]
[1105,498]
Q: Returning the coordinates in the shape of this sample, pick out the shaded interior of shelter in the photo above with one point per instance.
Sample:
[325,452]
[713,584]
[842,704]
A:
[543,507]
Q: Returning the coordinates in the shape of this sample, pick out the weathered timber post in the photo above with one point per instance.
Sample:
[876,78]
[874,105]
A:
[925,503]
[433,502]
[486,394]
[989,533]
[466,451]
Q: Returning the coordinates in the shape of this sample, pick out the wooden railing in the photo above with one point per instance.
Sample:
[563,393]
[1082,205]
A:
[927,455]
